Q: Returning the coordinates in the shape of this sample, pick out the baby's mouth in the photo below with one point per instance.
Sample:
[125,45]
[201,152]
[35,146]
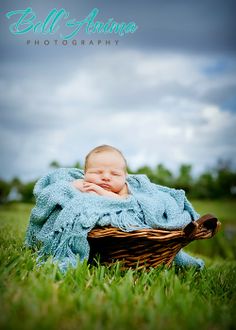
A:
[105,186]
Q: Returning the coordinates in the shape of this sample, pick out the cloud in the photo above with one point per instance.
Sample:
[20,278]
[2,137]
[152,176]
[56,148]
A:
[156,107]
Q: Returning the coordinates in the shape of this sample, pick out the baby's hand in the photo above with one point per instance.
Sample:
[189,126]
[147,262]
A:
[78,184]
[93,188]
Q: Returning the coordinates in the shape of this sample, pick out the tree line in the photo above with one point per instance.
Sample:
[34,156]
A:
[216,183]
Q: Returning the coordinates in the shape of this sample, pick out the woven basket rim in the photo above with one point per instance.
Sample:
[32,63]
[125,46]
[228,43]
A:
[197,226]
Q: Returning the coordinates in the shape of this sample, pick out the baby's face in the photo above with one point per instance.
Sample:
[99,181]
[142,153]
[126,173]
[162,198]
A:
[107,170]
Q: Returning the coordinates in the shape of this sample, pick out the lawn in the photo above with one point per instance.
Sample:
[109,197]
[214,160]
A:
[102,297]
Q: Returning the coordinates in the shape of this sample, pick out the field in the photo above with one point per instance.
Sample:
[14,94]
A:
[101,297]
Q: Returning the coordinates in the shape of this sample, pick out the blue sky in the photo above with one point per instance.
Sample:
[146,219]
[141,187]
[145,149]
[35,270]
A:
[165,94]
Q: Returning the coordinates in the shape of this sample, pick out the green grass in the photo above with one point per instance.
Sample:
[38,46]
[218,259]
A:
[224,243]
[224,210]
[102,297]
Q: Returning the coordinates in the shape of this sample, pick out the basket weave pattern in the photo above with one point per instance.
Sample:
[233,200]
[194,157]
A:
[147,247]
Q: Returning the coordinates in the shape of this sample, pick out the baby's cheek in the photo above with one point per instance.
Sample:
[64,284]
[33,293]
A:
[90,178]
[96,179]
[120,182]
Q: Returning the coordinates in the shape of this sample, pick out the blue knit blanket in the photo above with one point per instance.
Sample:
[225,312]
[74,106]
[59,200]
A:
[63,215]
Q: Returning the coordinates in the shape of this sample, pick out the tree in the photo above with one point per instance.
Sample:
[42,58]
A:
[78,165]
[26,191]
[5,188]
[54,164]
[205,186]
[225,178]
[184,179]
[163,176]
[148,171]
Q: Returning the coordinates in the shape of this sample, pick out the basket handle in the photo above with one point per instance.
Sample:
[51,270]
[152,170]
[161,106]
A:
[207,221]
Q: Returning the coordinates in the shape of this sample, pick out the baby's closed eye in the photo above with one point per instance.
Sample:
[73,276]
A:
[116,173]
[95,172]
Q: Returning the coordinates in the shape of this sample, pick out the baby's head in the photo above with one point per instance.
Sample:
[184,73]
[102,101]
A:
[106,167]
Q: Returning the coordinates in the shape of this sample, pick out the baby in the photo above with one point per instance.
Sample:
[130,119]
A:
[105,173]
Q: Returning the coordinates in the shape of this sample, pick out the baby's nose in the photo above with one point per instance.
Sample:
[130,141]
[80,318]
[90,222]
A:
[106,176]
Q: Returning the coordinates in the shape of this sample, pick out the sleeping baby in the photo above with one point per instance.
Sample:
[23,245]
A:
[105,173]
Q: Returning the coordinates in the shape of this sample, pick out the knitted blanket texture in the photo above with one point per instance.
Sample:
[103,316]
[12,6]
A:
[62,217]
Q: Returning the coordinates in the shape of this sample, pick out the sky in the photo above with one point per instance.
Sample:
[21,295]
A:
[163,94]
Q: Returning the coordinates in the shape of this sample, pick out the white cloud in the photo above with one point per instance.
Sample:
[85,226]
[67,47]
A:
[155,107]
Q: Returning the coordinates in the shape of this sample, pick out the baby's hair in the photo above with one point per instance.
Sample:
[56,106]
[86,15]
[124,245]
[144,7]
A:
[104,147]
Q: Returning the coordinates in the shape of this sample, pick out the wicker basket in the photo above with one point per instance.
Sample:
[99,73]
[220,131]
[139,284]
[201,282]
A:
[147,247]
